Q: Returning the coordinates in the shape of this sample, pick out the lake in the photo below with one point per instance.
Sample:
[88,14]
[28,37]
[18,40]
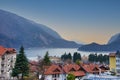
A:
[32,53]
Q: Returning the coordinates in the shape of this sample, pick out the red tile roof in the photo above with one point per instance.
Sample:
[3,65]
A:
[12,50]
[77,70]
[69,67]
[90,68]
[4,50]
[78,73]
[53,69]
[87,68]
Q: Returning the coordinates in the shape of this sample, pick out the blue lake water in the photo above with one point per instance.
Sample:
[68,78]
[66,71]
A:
[34,52]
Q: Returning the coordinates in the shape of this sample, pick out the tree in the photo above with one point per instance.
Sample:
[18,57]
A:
[21,65]
[65,57]
[76,56]
[46,59]
[78,62]
[70,77]
[91,57]
[69,56]
[40,68]
[106,59]
[100,58]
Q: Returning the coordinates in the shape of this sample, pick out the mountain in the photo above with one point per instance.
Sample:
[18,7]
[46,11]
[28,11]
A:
[112,45]
[16,31]
[114,38]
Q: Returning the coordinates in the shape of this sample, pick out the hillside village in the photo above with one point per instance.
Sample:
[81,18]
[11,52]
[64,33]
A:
[54,68]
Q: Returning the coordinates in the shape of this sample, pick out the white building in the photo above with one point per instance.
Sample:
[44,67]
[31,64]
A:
[54,72]
[57,72]
[55,59]
[60,72]
[118,63]
[7,60]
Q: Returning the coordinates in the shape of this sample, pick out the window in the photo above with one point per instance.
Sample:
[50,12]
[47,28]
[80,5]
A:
[2,71]
[118,65]
[3,57]
[118,71]
[8,59]
[55,75]
[2,65]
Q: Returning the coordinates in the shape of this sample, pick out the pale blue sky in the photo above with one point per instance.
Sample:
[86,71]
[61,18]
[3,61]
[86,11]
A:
[81,20]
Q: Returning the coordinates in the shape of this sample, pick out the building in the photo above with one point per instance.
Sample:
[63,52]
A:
[118,63]
[60,72]
[7,60]
[55,59]
[74,69]
[114,60]
[54,72]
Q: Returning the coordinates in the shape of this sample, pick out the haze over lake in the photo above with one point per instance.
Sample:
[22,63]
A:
[32,53]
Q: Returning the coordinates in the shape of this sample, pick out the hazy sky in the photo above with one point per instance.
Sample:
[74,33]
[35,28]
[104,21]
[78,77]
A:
[81,20]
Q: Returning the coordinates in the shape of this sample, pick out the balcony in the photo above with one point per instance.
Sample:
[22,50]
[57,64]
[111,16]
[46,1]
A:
[2,68]
[2,71]
[3,57]
[2,63]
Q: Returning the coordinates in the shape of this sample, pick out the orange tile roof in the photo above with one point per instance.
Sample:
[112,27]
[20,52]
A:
[93,66]
[68,67]
[4,50]
[77,70]
[87,68]
[12,50]
[78,73]
[53,69]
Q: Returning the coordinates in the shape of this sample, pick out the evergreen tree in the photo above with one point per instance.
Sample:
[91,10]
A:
[65,57]
[100,57]
[79,56]
[105,59]
[76,56]
[91,57]
[46,59]
[69,56]
[21,65]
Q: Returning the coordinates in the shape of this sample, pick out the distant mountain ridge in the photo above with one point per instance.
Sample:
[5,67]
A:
[114,38]
[16,31]
[112,45]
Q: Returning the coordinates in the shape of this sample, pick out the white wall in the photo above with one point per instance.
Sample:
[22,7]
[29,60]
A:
[8,64]
[48,77]
[61,77]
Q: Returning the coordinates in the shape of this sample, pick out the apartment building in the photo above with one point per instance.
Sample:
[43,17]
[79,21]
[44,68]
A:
[114,60]
[7,60]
